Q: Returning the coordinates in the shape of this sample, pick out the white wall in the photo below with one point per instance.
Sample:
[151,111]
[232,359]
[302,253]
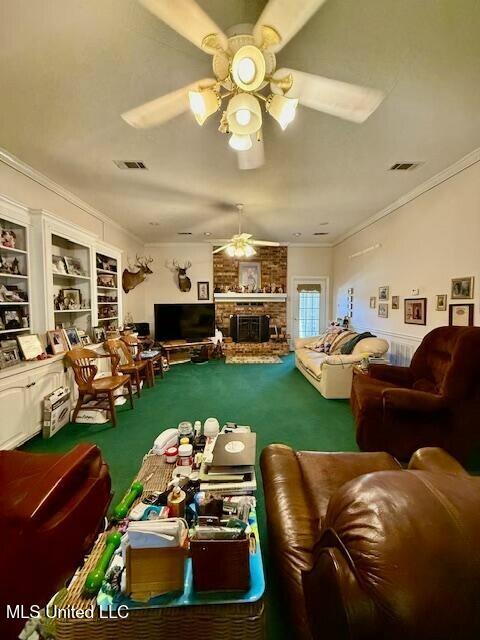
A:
[162,285]
[424,244]
[23,189]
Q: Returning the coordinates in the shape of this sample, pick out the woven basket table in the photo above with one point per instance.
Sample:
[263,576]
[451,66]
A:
[239,621]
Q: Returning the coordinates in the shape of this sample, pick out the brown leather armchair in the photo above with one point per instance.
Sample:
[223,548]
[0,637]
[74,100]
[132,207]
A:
[367,551]
[52,508]
[433,402]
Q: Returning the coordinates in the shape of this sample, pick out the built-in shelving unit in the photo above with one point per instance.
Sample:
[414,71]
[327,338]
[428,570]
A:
[15,311]
[107,263]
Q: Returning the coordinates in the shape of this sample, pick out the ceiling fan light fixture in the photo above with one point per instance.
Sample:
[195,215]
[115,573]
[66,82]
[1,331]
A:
[281,108]
[240,142]
[203,104]
[230,250]
[249,251]
[248,68]
[236,116]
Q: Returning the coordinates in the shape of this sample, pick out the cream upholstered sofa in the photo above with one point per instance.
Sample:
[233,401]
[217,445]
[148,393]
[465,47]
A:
[332,374]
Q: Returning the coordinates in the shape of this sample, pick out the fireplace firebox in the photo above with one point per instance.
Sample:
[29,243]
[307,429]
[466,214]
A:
[250,328]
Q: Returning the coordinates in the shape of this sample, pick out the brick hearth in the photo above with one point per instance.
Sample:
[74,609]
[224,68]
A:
[271,348]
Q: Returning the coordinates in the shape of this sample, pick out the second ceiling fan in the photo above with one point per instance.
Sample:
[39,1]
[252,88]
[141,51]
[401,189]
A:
[246,77]
[241,245]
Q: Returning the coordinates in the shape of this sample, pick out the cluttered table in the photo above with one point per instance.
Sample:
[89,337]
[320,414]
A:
[213,613]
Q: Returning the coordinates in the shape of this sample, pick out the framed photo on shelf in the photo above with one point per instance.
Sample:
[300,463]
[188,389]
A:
[74,266]
[30,346]
[72,338]
[203,290]
[57,341]
[383,310]
[373,302]
[58,264]
[250,275]
[462,288]
[415,311]
[395,302]
[9,353]
[99,334]
[383,294]
[84,338]
[442,302]
[72,298]
[461,315]
[12,319]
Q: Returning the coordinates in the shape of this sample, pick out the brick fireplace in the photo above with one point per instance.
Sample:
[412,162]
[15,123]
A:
[273,262]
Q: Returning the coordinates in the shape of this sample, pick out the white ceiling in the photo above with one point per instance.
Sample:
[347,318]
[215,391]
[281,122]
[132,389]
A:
[69,68]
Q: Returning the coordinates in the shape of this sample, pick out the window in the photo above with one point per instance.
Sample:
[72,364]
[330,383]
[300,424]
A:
[308,313]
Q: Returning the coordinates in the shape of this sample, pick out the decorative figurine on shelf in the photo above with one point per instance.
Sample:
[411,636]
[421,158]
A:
[8,238]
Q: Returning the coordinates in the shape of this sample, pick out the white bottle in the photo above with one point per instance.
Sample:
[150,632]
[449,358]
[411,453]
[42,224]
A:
[197,428]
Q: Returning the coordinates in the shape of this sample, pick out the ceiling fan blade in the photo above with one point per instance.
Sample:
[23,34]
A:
[287,17]
[164,108]
[190,21]
[221,248]
[340,99]
[215,241]
[264,243]
[254,157]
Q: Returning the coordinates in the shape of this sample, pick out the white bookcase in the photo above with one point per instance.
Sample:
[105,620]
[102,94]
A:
[107,286]
[15,303]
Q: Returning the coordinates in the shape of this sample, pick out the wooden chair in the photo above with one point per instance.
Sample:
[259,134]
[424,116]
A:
[84,368]
[136,347]
[137,369]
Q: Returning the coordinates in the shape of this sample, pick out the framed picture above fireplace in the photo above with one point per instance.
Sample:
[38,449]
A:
[250,275]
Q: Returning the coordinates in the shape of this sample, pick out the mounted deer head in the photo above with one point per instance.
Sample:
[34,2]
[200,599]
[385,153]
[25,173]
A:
[184,283]
[137,273]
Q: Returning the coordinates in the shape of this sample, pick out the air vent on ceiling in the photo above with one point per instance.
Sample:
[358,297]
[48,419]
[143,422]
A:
[404,166]
[321,233]
[184,233]
[130,164]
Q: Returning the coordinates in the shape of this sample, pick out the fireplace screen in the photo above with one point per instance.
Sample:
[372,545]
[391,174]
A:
[250,328]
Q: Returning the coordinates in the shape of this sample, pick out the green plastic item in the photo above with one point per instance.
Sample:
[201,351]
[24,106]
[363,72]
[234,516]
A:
[123,507]
[95,578]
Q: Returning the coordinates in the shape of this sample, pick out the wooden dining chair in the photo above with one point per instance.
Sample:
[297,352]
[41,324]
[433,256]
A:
[137,369]
[84,368]
[137,347]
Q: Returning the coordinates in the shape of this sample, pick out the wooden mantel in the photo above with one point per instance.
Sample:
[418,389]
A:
[249,297]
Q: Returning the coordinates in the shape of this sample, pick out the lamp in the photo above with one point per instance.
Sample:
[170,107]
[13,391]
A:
[203,104]
[244,115]
[240,142]
[248,68]
[249,251]
[281,108]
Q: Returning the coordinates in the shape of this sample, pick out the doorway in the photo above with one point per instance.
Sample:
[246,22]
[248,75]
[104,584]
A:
[309,306]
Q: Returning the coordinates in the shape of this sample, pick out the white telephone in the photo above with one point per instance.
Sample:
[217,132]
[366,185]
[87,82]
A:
[168,438]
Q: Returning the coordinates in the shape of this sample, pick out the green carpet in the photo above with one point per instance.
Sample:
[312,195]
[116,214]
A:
[275,400]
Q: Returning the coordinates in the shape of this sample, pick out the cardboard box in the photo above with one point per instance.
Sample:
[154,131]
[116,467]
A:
[56,411]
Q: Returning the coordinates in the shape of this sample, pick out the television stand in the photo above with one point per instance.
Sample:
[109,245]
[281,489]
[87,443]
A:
[179,351]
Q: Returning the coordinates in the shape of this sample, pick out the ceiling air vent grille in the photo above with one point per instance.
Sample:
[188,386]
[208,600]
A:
[321,233]
[184,233]
[404,166]
[129,164]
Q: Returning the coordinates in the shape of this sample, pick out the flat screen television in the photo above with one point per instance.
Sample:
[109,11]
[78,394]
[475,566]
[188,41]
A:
[191,322]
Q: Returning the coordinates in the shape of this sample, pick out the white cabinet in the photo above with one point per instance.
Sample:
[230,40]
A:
[15,424]
[21,399]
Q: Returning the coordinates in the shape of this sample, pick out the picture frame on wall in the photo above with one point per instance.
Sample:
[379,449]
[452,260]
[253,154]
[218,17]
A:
[462,288]
[250,275]
[461,315]
[203,291]
[395,302]
[57,341]
[383,293]
[382,310]
[373,302]
[441,302]
[415,311]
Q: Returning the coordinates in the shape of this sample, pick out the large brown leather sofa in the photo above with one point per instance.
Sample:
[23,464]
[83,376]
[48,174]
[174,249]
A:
[51,510]
[435,402]
[368,551]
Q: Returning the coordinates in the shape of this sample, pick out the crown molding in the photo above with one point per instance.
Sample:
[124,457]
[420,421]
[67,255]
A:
[25,169]
[451,171]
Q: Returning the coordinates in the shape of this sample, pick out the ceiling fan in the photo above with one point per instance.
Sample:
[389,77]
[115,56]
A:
[241,245]
[245,76]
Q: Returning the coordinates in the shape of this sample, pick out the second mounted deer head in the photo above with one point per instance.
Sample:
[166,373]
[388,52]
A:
[136,274]
[184,283]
